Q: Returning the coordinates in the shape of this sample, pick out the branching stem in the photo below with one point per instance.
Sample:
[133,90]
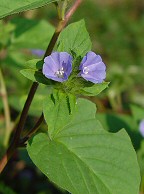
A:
[16,140]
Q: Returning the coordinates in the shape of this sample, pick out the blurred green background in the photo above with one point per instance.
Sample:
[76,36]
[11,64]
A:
[116,29]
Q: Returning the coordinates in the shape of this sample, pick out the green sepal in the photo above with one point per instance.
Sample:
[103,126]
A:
[94,90]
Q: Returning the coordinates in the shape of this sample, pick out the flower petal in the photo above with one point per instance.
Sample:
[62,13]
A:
[49,67]
[93,78]
[58,66]
[92,68]
[91,58]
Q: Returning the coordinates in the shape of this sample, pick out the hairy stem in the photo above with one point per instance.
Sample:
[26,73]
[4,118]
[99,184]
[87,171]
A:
[60,27]
[16,139]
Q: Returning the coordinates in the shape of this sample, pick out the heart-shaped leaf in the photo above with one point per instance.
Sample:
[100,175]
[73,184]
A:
[83,158]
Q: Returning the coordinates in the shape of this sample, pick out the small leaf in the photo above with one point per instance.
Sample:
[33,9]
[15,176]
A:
[35,76]
[95,89]
[8,7]
[77,41]
[34,64]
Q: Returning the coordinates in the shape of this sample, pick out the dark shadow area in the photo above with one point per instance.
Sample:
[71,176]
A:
[115,124]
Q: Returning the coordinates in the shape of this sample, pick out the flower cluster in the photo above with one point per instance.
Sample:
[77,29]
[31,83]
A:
[58,67]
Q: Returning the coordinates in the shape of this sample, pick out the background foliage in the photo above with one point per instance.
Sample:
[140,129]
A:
[116,30]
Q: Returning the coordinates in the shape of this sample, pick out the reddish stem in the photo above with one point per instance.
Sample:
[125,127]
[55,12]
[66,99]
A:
[16,139]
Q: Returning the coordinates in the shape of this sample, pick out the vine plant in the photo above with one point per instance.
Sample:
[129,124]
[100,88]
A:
[75,153]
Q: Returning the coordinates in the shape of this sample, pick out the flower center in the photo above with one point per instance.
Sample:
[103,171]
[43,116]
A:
[85,70]
[60,73]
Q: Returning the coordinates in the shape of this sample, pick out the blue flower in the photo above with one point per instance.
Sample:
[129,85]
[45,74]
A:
[38,52]
[92,68]
[141,127]
[58,66]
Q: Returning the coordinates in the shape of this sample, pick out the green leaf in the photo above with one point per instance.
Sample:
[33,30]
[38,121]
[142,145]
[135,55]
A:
[31,34]
[84,110]
[8,7]
[77,39]
[95,89]
[84,158]
[121,121]
[35,76]
[34,64]
[57,109]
